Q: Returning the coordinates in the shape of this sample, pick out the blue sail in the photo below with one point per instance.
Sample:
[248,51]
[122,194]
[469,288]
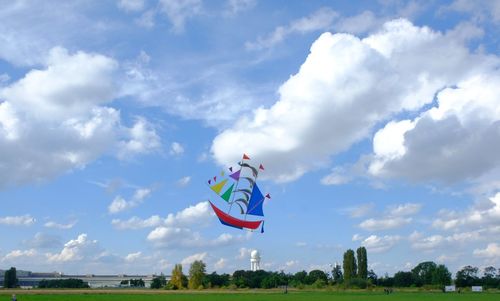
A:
[256,202]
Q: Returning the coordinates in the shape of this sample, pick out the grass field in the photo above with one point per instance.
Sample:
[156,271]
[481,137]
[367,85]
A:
[243,296]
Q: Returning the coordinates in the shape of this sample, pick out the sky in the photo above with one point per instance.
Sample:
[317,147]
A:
[377,122]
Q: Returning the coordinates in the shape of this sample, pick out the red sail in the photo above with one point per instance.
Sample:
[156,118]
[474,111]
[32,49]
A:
[229,220]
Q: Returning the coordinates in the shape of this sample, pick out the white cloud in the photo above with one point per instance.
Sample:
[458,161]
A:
[52,224]
[220,264]
[56,118]
[178,11]
[319,20]
[132,257]
[364,22]
[491,251]
[236,6]
[131,5]
[143,139]
[75,250]
[176,149]
[357,237]
[22,220]
[199,214]
[19,254]
[378,244]
[384,223]
[345,87]
[184,181]
[120,204]
[484,215]
[43,241]
[360,210]
[432,242]
[405,209]
[336,177]
[244,253]
[190,259]
[137,223]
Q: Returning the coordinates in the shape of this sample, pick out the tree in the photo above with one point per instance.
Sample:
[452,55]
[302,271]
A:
[337,275]
[215,280]
[10,278]
[158,282]
[441,275]
[177,280]
[196,274]
[349,265]
[403,279]
[316,275]
[362,263]
[422,273]
[372,277]
[300,277]
[490,277]
[467,276]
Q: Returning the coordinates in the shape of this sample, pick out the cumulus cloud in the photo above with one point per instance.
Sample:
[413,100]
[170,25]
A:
[120,204]
[344,88]
[76,250]
[52,224]
[378,244]
[484,215]
[133,256]
[196,214]
[396,216]
[19,254]
[21,220]
[192,258]
[58,118]
[372,224]
[436,241]
[491,251]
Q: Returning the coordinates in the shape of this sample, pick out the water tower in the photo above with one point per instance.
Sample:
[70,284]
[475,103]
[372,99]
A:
[254,260]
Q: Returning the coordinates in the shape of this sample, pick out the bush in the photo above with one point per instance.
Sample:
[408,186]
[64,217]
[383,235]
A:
[356,283]
[319,283]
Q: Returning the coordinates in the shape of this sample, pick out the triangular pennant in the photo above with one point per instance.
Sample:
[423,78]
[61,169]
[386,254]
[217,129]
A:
[245,157]
[268,196]
[231,169]
[262,227]
[261,167]
[215,179]
[227,194]
[218,187]
[236,175]
[209,182]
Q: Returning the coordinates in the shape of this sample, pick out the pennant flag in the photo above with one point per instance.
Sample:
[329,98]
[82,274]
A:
[245,157]
[236,175]
[262,228]
[261,167]
[227,194]
[218,187]
[231,169]
[209,182]
[268,196]
[215,179]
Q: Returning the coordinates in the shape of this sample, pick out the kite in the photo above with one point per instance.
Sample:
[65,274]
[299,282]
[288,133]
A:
[240,190]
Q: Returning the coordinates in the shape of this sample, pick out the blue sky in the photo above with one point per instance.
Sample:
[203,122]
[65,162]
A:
[377,123]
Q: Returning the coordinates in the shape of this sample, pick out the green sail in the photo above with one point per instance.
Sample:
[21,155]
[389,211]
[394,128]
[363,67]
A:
[227,194]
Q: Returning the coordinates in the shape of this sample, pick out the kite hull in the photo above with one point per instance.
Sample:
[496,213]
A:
[232,221]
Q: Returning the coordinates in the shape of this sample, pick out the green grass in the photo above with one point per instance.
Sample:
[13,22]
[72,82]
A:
[260,296]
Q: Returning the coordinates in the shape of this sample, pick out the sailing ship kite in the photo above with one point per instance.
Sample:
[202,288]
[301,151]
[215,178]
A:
[241,194]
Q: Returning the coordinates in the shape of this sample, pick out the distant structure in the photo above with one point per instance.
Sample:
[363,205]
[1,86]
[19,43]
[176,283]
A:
[255,260]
